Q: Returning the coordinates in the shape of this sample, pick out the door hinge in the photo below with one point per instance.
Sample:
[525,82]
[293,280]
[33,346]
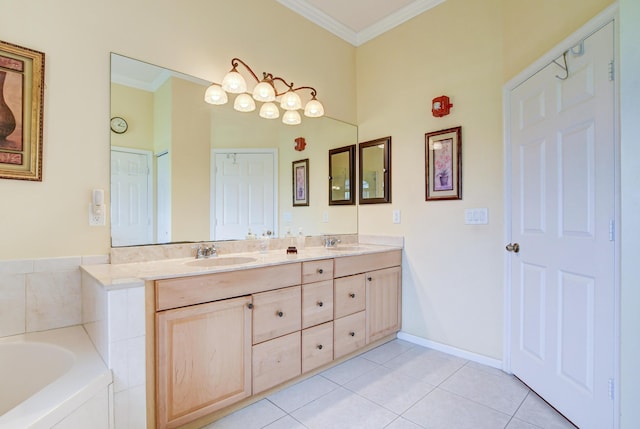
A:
[611,389]
[612,230]
[611,70]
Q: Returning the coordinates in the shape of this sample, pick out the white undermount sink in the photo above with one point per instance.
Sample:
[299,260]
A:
[221,261]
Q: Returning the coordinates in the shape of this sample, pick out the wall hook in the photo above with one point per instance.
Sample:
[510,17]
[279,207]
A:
[563,67]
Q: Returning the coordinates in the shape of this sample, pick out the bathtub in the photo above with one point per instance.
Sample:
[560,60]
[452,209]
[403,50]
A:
[53,379]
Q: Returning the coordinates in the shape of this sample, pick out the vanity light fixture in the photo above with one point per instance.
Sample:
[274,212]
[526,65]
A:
[266,92]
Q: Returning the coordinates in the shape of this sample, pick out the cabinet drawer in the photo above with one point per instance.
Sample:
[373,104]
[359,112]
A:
[362,263]
[317,346]
[317,303]
[275,361]
[315,271]
[349,295]
[276,313]
[348,334]
[183,291]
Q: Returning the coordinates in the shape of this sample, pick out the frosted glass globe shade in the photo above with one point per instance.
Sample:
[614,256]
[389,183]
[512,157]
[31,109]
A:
[290,101]
[291,117]
[313,109]
[244,103]
[264,92]
[215,95]
[269,111]
[234,83]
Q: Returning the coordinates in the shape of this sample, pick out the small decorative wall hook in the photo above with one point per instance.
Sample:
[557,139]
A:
[300,144]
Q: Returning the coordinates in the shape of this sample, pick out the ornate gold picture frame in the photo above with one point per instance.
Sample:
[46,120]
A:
[21,107]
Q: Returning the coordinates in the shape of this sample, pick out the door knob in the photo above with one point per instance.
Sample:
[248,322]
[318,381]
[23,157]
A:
[513,247]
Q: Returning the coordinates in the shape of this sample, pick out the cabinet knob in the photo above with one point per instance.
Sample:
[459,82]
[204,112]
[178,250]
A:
[320,271]
[369,279]
[320,304]
[250,305]
[319,346]
[280,314]
[352,295]
[353,334]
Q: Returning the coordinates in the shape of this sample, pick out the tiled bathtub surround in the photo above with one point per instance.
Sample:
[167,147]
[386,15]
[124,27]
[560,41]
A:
[41,294]
[114,320]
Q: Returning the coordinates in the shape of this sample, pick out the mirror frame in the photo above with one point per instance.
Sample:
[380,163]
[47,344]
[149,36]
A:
[386,168]
[351,150]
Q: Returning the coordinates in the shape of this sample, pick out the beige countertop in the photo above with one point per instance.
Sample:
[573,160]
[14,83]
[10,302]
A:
[117,276]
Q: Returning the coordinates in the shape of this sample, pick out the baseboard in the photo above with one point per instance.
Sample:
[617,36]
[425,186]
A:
[484,360]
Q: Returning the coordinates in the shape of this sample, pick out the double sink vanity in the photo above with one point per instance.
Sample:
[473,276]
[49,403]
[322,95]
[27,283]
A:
[228,330]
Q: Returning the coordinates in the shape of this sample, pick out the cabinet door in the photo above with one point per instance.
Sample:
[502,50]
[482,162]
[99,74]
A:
[349,295]
[317,303]
[383,302]
[276,361]
[317,346]
[275,313]
[203,359]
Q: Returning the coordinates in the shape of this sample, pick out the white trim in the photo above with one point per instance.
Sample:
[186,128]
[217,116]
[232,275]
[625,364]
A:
[610,14]
[464,354]
[400,16]
[330,24]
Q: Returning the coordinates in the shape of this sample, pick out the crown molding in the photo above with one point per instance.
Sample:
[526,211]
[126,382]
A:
[325,21]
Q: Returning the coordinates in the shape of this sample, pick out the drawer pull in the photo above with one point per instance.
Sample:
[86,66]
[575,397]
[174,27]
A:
[353,334]
[320,304]
[250,305]
[369,279]
[352,295]
[280,314]
[320,271]
[319,346]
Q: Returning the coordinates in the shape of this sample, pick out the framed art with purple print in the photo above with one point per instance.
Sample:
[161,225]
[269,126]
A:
[443,164]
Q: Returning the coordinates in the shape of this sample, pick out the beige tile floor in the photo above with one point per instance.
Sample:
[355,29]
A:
[401,386]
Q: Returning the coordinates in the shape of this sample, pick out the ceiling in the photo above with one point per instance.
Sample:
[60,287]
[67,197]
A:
[358,21]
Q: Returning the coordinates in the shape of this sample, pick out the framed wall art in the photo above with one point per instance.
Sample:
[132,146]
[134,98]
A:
[301,182]
[21,105]
[443,164]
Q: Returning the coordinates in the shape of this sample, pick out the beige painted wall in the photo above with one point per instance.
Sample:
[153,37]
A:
[137,107]
[453,273]
[50,218]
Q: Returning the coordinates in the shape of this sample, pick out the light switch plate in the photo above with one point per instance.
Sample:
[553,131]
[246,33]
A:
[478,216]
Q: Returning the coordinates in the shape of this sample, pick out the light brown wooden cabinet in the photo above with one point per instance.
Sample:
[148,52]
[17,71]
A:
[223,337]
[383,302]
[203,359]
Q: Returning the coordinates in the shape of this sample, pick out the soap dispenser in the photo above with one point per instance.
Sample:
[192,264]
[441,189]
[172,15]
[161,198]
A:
[300,239]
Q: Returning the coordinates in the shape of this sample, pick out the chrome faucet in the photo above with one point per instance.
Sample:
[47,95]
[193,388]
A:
[206,251]
[331,241]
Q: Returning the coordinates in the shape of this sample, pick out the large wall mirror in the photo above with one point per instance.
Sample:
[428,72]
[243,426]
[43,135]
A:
[185,170]
[341,172]
[375,171]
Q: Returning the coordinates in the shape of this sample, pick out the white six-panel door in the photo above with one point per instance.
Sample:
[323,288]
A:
[563,209]
[131,190]
[245,193]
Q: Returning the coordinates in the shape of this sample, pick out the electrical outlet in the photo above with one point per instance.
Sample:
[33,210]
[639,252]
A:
[396,216]
[325,216]
[96,219]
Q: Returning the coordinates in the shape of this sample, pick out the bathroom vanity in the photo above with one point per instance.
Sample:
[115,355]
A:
[221,336]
